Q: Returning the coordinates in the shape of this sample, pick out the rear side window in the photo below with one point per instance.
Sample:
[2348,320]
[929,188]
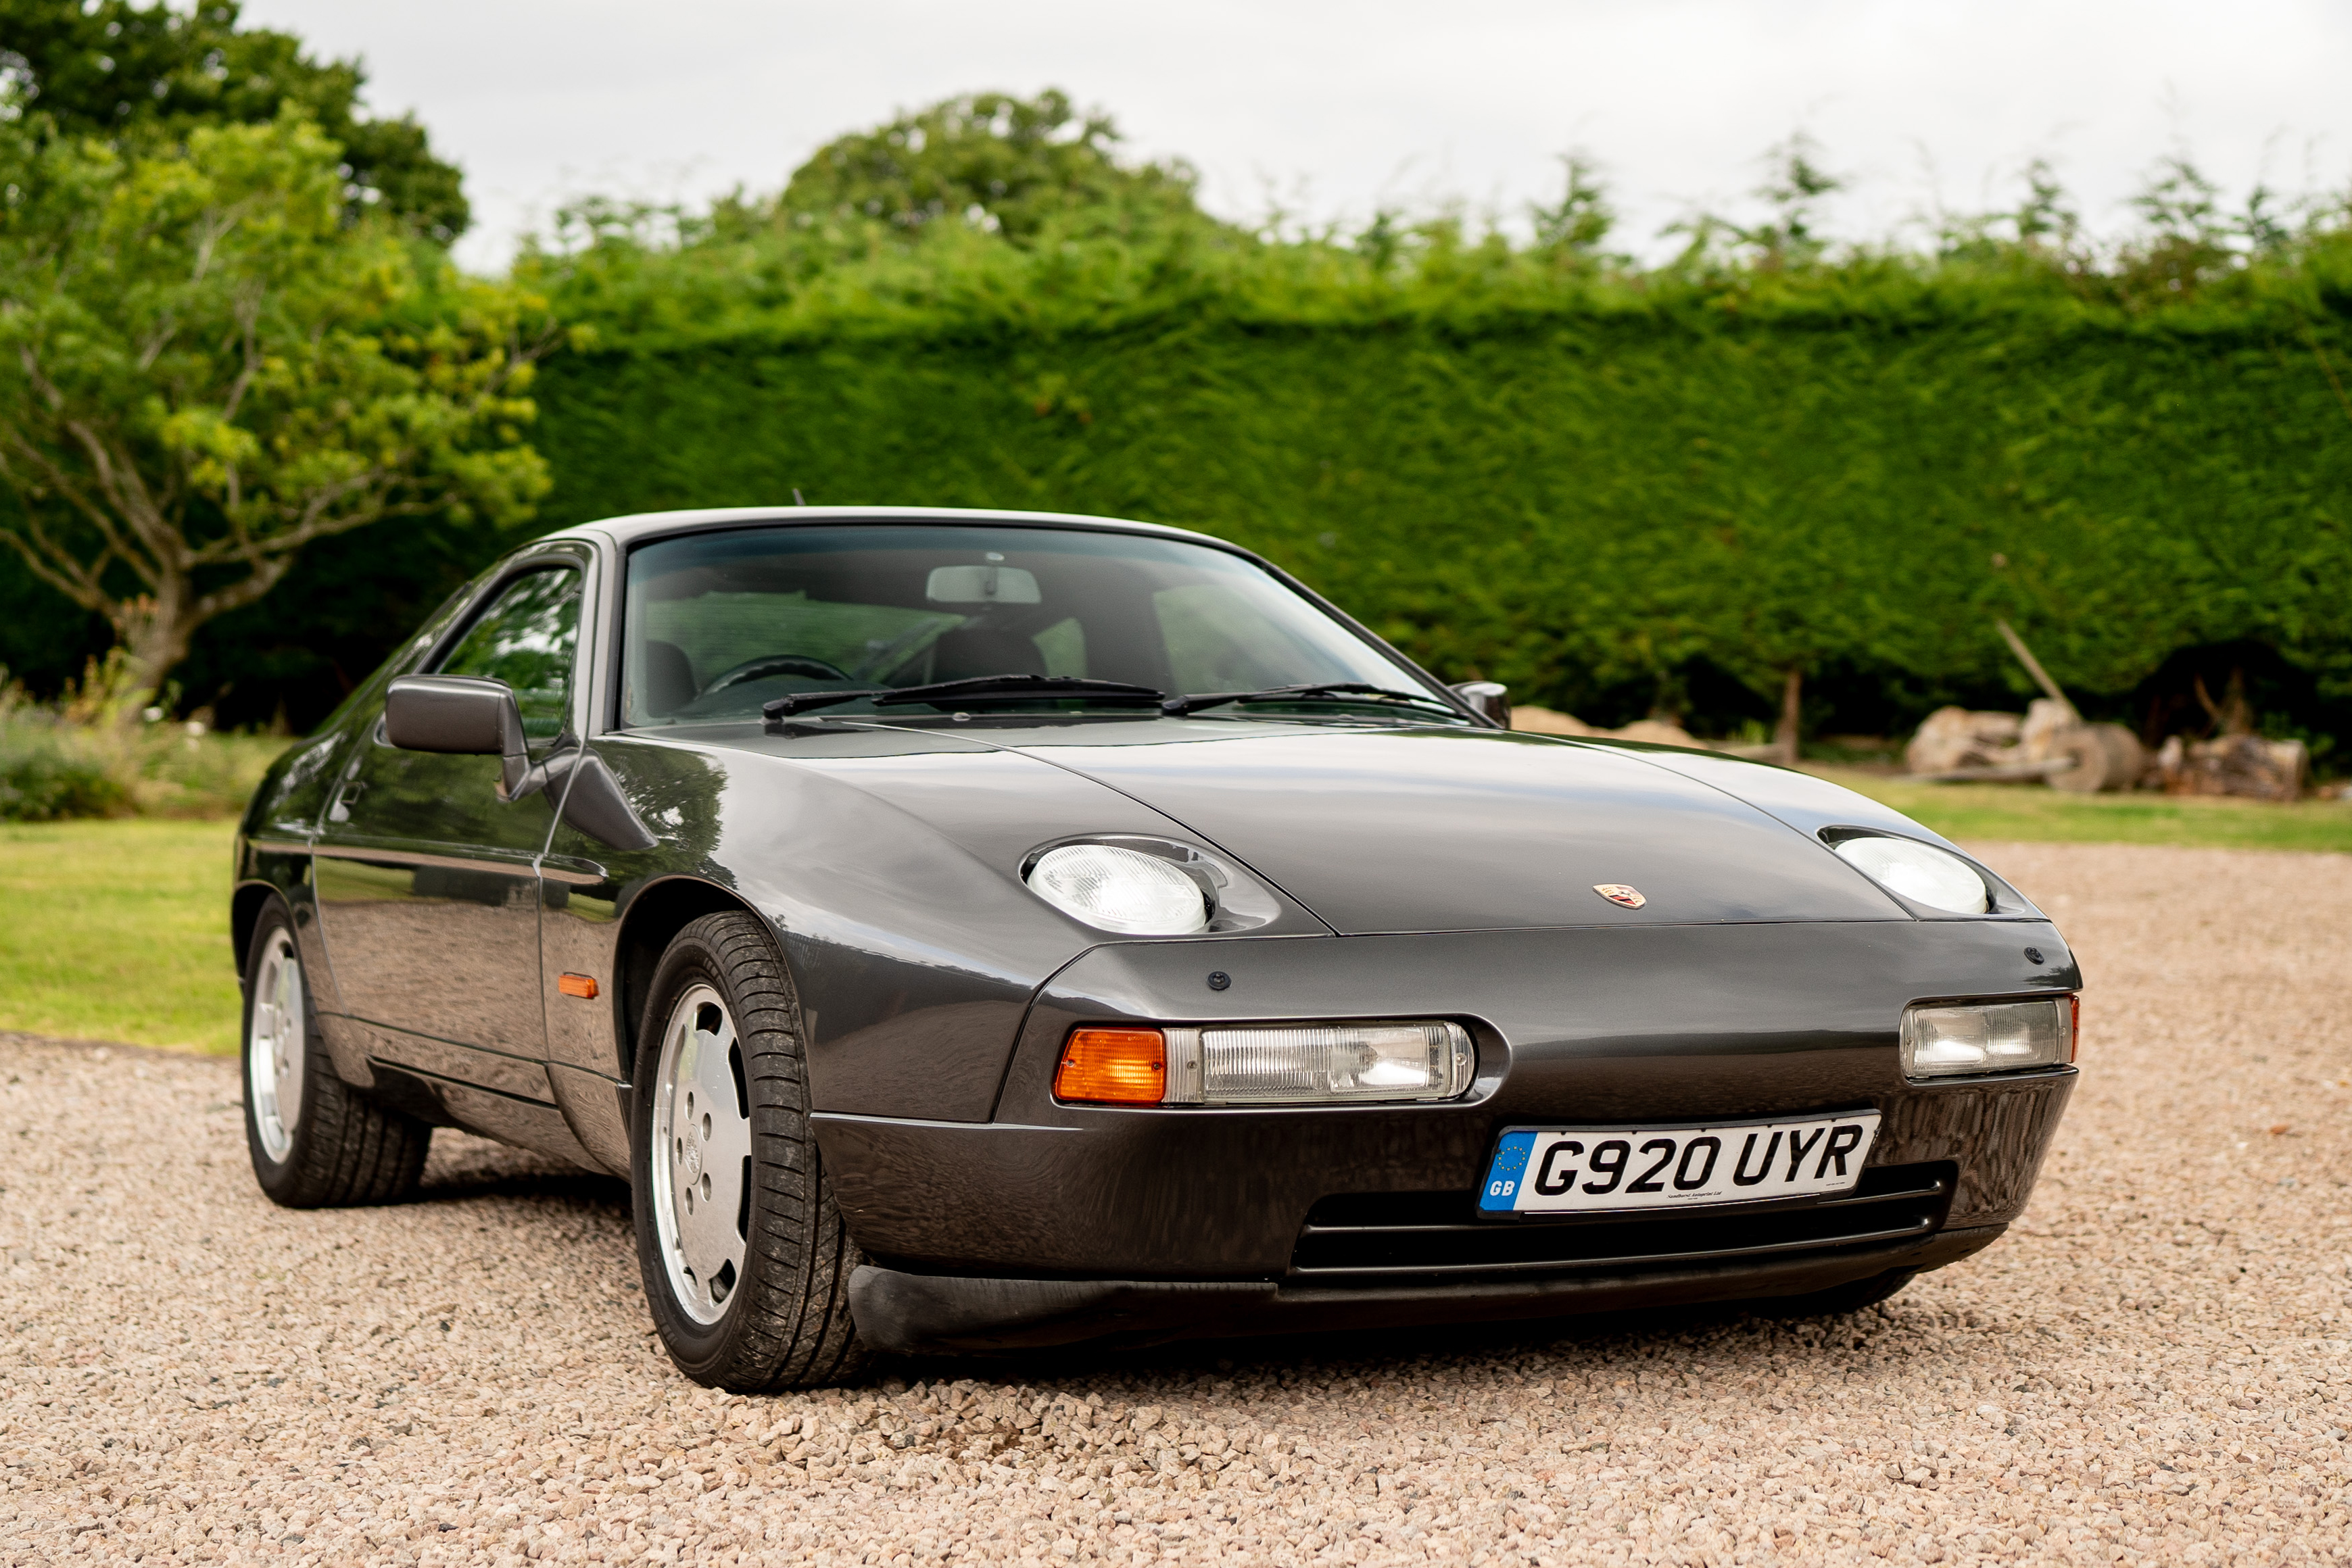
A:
[526,637]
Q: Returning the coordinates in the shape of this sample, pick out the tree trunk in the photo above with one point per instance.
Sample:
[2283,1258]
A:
[152,632]
[1784,737]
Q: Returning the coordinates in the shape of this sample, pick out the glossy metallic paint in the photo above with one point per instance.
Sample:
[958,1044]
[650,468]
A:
[1421,870]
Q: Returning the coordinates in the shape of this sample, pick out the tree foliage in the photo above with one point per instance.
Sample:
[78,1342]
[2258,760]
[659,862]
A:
[1020,168]
[204,369]
[144,76]
[1602,482]
[1614,486]
[1580,218]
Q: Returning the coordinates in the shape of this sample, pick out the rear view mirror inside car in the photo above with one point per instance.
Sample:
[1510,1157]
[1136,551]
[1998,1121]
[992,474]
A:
[981,585]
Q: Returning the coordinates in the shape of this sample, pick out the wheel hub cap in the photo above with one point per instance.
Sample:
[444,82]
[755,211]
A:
[702,1154]
[275,1046]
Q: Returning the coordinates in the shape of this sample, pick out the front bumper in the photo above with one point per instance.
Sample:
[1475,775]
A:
[1070,1221]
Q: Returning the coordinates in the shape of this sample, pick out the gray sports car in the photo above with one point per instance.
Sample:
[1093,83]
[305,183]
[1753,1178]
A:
[969,931]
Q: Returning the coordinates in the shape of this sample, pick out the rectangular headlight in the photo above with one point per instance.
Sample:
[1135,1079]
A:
[1958,1039]
[1317,1063]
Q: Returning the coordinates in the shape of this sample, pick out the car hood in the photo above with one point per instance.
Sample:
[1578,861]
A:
[1440,829]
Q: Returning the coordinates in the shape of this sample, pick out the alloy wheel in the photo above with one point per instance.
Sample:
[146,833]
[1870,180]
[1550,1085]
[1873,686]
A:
[702,1154]
[276,1048]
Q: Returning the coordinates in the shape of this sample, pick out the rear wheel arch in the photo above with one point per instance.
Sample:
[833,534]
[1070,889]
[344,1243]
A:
[245,908]
[650,923]
[315,1142]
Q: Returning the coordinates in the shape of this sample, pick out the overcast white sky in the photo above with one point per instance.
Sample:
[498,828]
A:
[1335,107]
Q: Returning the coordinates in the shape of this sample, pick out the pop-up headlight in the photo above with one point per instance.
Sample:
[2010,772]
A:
[1120,890]
[1920,872]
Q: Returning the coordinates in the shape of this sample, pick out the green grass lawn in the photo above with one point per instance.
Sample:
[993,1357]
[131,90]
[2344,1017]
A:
[2037,812]
[118,930]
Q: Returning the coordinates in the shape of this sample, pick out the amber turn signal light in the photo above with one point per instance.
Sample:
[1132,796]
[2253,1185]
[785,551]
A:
[1113,1067]
[582,985]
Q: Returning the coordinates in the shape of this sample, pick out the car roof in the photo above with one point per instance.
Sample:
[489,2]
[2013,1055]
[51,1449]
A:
[636,527]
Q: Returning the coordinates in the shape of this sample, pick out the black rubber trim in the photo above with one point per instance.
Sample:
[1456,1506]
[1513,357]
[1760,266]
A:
[936,1313]
[1627,1261]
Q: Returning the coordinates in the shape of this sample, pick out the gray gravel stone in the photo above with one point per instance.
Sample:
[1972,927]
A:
[2152,1368]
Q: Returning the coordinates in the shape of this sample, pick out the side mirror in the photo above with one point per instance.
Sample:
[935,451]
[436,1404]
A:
[463,715]
[1488,699]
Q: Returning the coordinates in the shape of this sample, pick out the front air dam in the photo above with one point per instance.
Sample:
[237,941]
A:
[935,1313]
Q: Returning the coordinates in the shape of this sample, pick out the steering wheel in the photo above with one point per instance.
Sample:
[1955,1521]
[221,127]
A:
[768,665]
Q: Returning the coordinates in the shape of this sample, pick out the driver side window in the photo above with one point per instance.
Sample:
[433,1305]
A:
[526,637]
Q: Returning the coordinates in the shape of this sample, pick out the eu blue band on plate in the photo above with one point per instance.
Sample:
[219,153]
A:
[1501,1193]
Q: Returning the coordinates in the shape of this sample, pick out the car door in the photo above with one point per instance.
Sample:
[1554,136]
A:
[429,883]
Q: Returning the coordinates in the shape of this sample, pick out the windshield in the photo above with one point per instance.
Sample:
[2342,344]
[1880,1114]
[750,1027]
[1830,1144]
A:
[719,623]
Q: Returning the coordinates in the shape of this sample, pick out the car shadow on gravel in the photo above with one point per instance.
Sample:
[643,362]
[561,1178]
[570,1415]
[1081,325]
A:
[589,1189]
[1366,1350]
[464,1167]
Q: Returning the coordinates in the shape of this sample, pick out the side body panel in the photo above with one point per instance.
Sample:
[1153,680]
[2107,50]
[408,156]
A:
[273,855]
[426,889]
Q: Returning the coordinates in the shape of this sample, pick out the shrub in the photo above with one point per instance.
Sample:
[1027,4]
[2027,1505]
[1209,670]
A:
[42,780]
[83,757]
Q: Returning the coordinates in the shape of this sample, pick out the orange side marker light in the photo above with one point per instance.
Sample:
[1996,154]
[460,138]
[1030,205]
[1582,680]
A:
[1113,1067]
[582,985]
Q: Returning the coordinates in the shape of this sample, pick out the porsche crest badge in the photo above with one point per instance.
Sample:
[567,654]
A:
[1618,893]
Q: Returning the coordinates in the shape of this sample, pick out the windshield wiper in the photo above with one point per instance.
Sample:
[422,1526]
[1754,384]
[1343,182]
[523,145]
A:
[977,691]
[1336,691]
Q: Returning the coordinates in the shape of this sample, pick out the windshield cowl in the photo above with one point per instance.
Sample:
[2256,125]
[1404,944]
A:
[1062,693]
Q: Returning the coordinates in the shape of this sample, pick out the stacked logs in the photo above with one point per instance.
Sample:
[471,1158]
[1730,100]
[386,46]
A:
[2052,742]
[2049,742]
[2243,765]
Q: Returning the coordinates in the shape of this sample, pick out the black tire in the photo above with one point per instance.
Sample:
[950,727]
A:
[343,1148]
[1840,1300]
[784,1320]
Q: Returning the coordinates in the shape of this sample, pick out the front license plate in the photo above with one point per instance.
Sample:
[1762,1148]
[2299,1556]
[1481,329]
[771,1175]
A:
[1590,1170]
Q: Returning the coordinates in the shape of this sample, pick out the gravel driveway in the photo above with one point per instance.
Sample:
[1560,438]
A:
[2152,1367]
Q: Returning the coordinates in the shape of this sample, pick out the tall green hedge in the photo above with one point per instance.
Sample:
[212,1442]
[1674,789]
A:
[1611,490]
[1593,496]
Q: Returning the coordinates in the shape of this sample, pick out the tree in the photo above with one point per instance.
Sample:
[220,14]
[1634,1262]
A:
[1011,165]
[204,368]
[145,75]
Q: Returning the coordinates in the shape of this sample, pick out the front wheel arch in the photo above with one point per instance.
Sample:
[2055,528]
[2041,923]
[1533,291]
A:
[648,925]
[724,1027]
